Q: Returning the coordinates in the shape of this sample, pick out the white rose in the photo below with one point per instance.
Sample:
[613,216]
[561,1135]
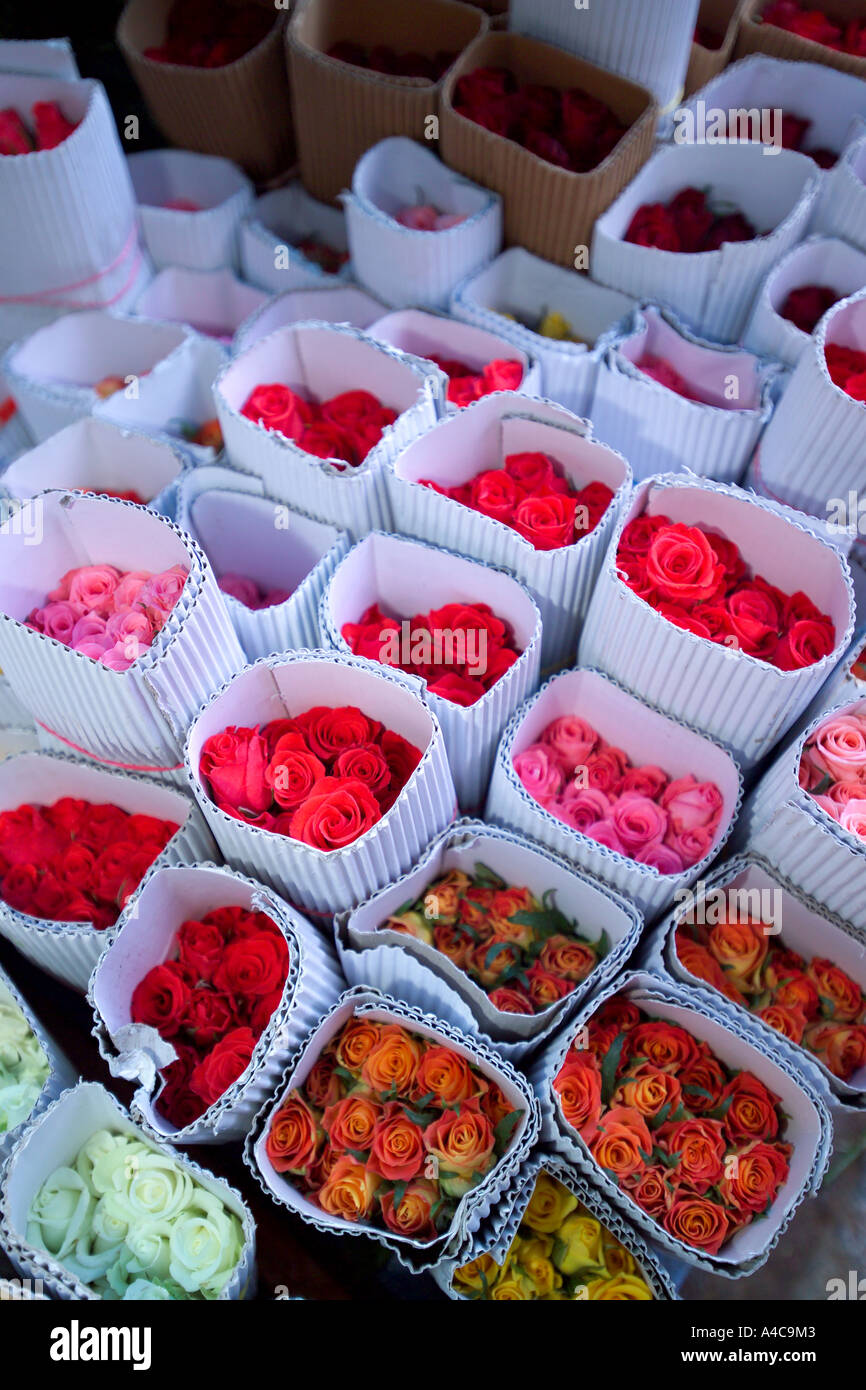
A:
[206,1244]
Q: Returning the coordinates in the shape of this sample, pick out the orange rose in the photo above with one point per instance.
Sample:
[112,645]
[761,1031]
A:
[578,1085]
[391,1062]
[698,1222]
[697,960]
[506,901]
[511,999]
[702,1083]
[756,1177]
[442,899]
[490,960]
[294,1136]
[446,1076]
[740,949]
[650,1190]
[648,1091]
[453,943]
[475,908]
[619,1013]
[546,989]
[356,1041]
[351,1122]
[843,994]
[495,1104]
[398,1147]
[322,1087]
[622,1144]
[349,1190]
[797,991]
[462,1143]
[699,1146]
[572,960]
[323,1167]
[665,1045]
[787,1019]
[414,1215]
[751,1111]
[841,1047]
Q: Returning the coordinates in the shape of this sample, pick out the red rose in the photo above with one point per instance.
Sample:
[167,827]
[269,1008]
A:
[367,636]
[101,826]
[161,999]
[804,644]
[276,407]
[253,965]
[463,390]
[637,536]
[397,1152]
[176,1102]
[65,815]
[336,814]
[698,1222]
[653,225]
[734,227]
[365,763]
[234,763]
[200,945]
[327,441]
[546,146]
[221,1067]
[682,565]
[751,1110]
[293,771]
[692,218]
[805,306]
[546,522]
[495,494]
[330,731]
[530,470]
[755,620]
[209,1014]
[402,758]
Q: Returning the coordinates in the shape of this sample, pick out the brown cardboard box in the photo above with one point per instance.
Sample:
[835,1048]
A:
[547,209]
[240,111]
[755,37]
[341,110]
[722,17]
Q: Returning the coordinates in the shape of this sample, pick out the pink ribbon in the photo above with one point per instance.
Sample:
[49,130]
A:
[123,767]
[53,298]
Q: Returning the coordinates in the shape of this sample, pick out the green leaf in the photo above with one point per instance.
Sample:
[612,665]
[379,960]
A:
[421,1118]
[399,1190]
[608,1068]
[505,1130]
[496,950]
[359,1155]
[823,786]
[656,1121]
[485,877]
[345,1074]
[601,947]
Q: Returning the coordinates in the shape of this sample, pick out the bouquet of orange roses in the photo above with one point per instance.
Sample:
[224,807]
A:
[688,1124]
[387,1127]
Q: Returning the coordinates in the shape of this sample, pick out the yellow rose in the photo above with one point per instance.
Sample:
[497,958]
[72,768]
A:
[475,1276]
[411,924]
[616,1258]
[549,1205]
[578,1243]
[536,1265]
[510,1290]
[622,1288]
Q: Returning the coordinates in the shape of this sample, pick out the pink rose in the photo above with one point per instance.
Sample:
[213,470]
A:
[692,844]
[809,774]
[605,769]
[87,628]
[93,586]
[604,833]
[246,591]
[94,647]
[129,628]
[639,822]
[116,659]
[129,588]
[162,591]
[571,739]
[833,808]
[661,857]
[581,807]
[539,772]
[646,781]
[58,619]
[839,747]
[842,792]
[853,817]
[691,804]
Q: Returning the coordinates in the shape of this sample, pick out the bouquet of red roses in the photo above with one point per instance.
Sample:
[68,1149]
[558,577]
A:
[323,777]
[698,580]
[818,27]
[570,129]
[390,1129]
[532,495]
[74,861]
[345,427]
[212,1000]
[694,1143]
[687,223]
[50,129]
